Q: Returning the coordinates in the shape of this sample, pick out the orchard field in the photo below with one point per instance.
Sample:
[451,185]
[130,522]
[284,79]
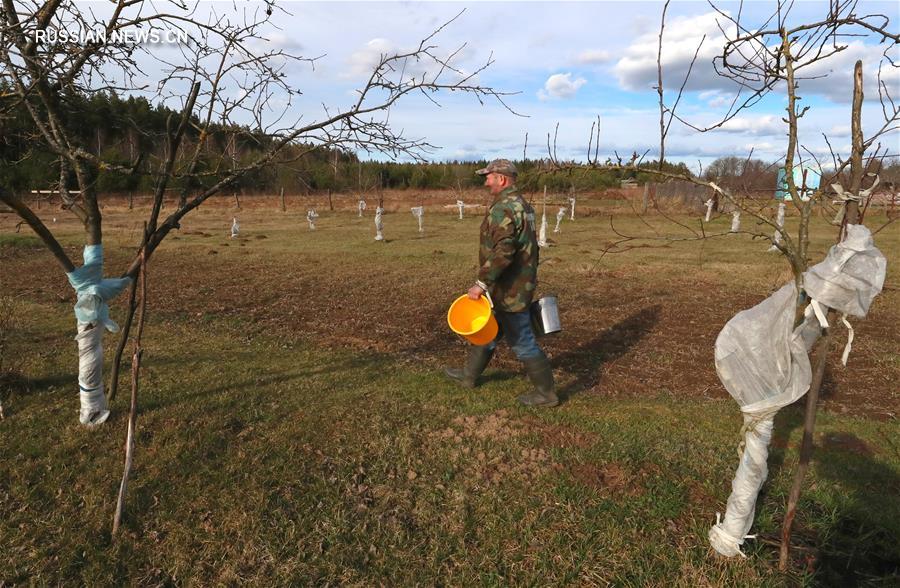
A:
[295,428]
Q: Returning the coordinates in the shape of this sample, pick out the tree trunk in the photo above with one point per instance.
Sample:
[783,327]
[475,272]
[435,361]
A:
[806,446]
[851,216]
[283,206]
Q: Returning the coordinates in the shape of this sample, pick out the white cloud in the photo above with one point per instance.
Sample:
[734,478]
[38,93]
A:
[716,98]
[367,58]
[755,125]
[279,40]
[460,62]
[839,131]
[561,86]
[831,77]
[593,57]
[637,70]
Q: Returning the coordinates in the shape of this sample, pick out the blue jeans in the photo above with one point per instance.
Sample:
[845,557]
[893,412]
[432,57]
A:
[516,327]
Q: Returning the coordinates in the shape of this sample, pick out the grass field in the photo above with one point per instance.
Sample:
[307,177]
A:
[295,428]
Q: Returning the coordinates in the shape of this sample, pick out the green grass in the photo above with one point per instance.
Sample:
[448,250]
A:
[19,240]
[265,464]
[269,458]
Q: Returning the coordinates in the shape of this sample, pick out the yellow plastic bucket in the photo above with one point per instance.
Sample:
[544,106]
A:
[473,320]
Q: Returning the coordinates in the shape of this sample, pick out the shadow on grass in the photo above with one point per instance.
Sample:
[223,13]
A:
[586,360]
[853,540]
[859,545]
[294,374]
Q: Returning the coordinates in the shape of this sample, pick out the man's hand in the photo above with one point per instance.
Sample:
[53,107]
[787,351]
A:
[475,292]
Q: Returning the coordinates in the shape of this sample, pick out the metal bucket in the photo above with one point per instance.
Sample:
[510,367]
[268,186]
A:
[545,316]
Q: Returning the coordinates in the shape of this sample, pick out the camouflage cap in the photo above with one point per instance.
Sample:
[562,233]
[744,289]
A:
[499,166]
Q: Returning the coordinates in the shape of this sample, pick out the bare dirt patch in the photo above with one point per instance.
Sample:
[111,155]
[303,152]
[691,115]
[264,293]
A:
[480,448]
[613,478]
[629,331]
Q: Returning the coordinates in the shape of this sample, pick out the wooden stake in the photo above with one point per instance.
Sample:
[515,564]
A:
[851,215]
[135,372]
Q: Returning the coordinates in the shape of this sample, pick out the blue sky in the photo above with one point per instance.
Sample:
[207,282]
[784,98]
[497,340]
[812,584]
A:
[572,62]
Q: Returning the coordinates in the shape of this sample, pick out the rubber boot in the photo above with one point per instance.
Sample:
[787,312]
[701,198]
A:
[476,361]
[541,375]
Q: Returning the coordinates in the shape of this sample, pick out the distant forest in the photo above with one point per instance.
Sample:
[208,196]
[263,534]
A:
[130,132]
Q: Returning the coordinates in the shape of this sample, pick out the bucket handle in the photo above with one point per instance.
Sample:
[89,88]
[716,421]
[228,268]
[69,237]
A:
[490,301]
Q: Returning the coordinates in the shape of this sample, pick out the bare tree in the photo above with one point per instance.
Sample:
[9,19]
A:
[762,60]
[222,74]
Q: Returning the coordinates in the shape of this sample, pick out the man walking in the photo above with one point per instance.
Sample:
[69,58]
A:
[508,262]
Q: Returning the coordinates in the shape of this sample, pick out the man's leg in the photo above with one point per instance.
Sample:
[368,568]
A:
[476,361]
[520,335]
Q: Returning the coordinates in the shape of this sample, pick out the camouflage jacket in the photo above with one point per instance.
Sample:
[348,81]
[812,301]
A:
[508,256]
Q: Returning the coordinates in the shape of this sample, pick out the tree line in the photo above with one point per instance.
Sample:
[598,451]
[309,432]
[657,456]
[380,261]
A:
[129,132]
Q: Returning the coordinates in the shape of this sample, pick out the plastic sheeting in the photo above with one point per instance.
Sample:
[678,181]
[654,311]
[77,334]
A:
[235,227]
[851,275]
[93,291]
[560,215]
[779,224]
[763,361]
[361,206]
[735,221]
[311,216]
[90,375]
[92,314]
[419,213]
[379,224]
[728,534]
[542,234]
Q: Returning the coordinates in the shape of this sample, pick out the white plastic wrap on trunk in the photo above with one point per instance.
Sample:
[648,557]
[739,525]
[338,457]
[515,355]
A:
[90,375]
[760,358]
[850,276]
[559,216]
[379,224]
[709,206]
[764,363]
[571,209]
[779,223]
[727,535]
[311,216]
[235,228]
[542,234]
[361,206]
[461,206]
[419,213]
[735,221]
